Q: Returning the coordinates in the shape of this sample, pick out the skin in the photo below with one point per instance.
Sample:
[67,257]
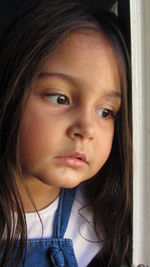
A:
[83,70]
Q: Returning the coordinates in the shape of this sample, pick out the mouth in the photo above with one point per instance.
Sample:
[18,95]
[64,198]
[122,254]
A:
[74,159]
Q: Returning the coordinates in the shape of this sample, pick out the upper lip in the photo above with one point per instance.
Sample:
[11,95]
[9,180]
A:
[77,155]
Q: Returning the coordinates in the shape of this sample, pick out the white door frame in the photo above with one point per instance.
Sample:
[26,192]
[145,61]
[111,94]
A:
[140,51]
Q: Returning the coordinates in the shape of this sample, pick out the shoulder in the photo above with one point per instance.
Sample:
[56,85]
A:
[81,230]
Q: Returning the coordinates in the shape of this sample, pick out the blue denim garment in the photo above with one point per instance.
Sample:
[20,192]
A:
[57,251]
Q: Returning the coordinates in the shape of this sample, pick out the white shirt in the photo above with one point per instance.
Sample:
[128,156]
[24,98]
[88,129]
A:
[79,229]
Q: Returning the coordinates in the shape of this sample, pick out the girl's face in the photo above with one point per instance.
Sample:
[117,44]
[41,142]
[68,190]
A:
[68,125]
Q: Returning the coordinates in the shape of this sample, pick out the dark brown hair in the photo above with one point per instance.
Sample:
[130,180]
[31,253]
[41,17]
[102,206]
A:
[23,52]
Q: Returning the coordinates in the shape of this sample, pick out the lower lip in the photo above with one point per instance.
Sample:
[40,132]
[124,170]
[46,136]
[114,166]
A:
[72,162]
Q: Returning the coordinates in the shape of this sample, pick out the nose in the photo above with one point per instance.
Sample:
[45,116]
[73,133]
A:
[83,128]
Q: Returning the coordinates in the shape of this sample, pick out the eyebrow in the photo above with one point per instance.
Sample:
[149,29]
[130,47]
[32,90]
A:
[69,78]
[112,94]
[59,75]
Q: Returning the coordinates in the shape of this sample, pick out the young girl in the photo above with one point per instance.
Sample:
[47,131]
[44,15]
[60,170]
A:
[65,137]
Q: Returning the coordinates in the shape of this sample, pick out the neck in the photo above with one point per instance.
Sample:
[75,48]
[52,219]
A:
[36,195]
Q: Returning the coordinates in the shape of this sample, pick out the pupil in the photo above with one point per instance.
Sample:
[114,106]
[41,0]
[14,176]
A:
[105,113]
[61,99]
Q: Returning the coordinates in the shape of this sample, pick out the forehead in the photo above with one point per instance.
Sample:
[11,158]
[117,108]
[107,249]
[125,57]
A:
[87,56]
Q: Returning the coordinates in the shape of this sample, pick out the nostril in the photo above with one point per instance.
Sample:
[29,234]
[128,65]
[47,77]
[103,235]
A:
[77,134]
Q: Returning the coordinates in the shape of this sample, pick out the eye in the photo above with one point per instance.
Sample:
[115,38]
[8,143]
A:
[58,99]
[106,113]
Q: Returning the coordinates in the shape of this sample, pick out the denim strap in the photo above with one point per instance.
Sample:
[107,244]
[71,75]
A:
[63,212]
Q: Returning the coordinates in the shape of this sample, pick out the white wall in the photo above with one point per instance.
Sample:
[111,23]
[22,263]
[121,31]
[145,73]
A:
[140,48]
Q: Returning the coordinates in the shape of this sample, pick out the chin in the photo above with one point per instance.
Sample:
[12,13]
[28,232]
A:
[66,183]
[62,180]
[71,183]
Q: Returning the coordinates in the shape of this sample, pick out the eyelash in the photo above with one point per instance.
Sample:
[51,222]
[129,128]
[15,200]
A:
[107,113]
[64,100]
[54,97]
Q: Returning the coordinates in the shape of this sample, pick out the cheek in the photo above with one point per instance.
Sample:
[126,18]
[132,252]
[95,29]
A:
[103,148]
[38,136]
[33,138]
